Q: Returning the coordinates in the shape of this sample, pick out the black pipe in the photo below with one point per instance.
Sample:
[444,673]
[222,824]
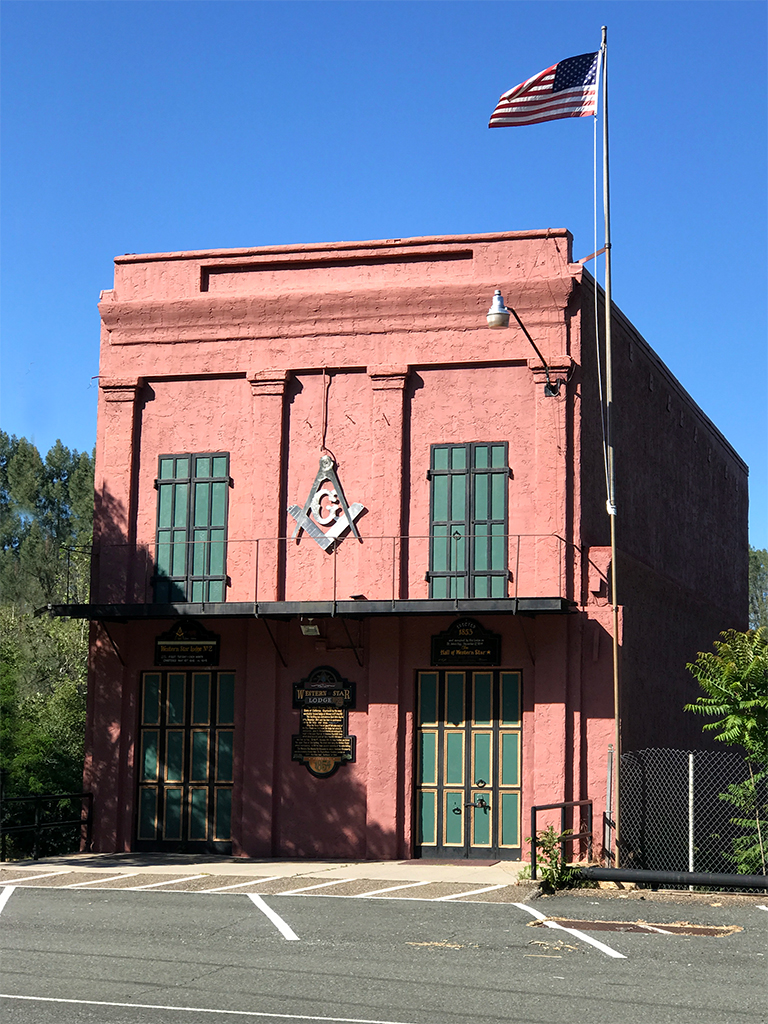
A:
[675,877]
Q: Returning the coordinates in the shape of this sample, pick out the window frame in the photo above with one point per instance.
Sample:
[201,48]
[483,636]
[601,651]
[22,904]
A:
[186,576]
[461,562]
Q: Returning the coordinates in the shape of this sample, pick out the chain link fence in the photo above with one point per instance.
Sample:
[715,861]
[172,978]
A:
[674,817]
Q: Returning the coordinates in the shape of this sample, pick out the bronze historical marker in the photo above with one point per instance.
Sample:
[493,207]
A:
[322,743]
[187,643]
[466,643]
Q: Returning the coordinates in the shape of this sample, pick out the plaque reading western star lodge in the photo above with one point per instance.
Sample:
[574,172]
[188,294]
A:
[466,643]
[187,643]
[322,743]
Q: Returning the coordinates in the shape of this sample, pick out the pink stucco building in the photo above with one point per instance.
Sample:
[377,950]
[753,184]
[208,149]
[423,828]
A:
[349,594]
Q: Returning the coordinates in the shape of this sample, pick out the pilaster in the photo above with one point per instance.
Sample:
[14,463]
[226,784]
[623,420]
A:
[265,489]
[388,463]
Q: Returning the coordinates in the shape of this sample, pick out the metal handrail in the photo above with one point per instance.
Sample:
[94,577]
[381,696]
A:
[563,837]
[39,826]
[267,564]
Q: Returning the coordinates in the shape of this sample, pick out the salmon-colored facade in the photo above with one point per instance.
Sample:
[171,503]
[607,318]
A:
[461,500]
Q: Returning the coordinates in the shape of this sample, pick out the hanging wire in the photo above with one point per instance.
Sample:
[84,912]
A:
[326,388]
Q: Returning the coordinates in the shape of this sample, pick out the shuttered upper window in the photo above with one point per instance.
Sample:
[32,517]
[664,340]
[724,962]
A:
[468,520]
[192,505]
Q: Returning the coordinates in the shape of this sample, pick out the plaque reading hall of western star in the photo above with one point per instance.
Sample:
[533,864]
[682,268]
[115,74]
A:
[466,643]
[187,643]
[322,743]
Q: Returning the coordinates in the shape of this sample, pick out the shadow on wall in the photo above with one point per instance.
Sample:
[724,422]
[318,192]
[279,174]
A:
[122,571]
[110,726]
[328,818]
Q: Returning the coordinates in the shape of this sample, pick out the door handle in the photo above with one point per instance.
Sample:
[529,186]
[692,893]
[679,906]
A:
[481,803]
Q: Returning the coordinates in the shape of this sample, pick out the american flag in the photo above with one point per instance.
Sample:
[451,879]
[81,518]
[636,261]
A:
[567,89]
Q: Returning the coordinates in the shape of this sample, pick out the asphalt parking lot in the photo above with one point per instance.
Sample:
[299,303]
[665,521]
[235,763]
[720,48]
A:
[209,947]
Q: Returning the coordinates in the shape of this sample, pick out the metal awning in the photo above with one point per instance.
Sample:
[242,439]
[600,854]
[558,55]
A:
[317,609]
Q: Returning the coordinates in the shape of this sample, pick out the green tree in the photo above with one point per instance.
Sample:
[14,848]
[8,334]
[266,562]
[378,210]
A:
[46,516]
[758,588]
[735,683]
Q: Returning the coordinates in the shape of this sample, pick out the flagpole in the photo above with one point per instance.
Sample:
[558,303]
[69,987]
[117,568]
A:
[611,502]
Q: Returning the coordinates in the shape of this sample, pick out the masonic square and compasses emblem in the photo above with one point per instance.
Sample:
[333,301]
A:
[326,516]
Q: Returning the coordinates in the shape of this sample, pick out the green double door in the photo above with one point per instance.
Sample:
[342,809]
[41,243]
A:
[468,750]
[186,761]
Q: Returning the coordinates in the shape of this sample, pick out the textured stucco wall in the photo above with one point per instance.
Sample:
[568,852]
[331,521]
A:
[379,349]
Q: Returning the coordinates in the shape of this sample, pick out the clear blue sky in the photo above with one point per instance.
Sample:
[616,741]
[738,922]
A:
[157,126]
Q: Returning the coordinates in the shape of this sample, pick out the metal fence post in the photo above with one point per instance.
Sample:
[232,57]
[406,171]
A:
[690,814]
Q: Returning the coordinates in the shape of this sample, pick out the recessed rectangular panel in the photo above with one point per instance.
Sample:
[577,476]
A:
[510,759]
[453,819]
[427,766]
[427,698]
[220,465]
[480,586]
[482,763]
[453,767]
[148,813]
[440,499]
[174,755]
[201,698]
[199,552]
[216,553]
[172,814]
[222,823]
[482,705]
[176,698]
[427,818]
[181,499]
[498,495]
[510,819]
[510,698]
[218,504]
[458,497]
[165,506]
[481,497]
[459,457]
[481,821]
[151,700]
[226,702]
[198,814]
[179,553]
[454,698]
[149,754]
[199,758]
[224,762]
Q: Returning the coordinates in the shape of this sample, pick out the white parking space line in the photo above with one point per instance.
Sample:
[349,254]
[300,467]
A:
[391,888]
[761,907]
[99,881]
[173,881]
[5,895]
[239,885]
[285,929]
[48,874]
[571,931]
[206,1009]
[321,885]
[472,892]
